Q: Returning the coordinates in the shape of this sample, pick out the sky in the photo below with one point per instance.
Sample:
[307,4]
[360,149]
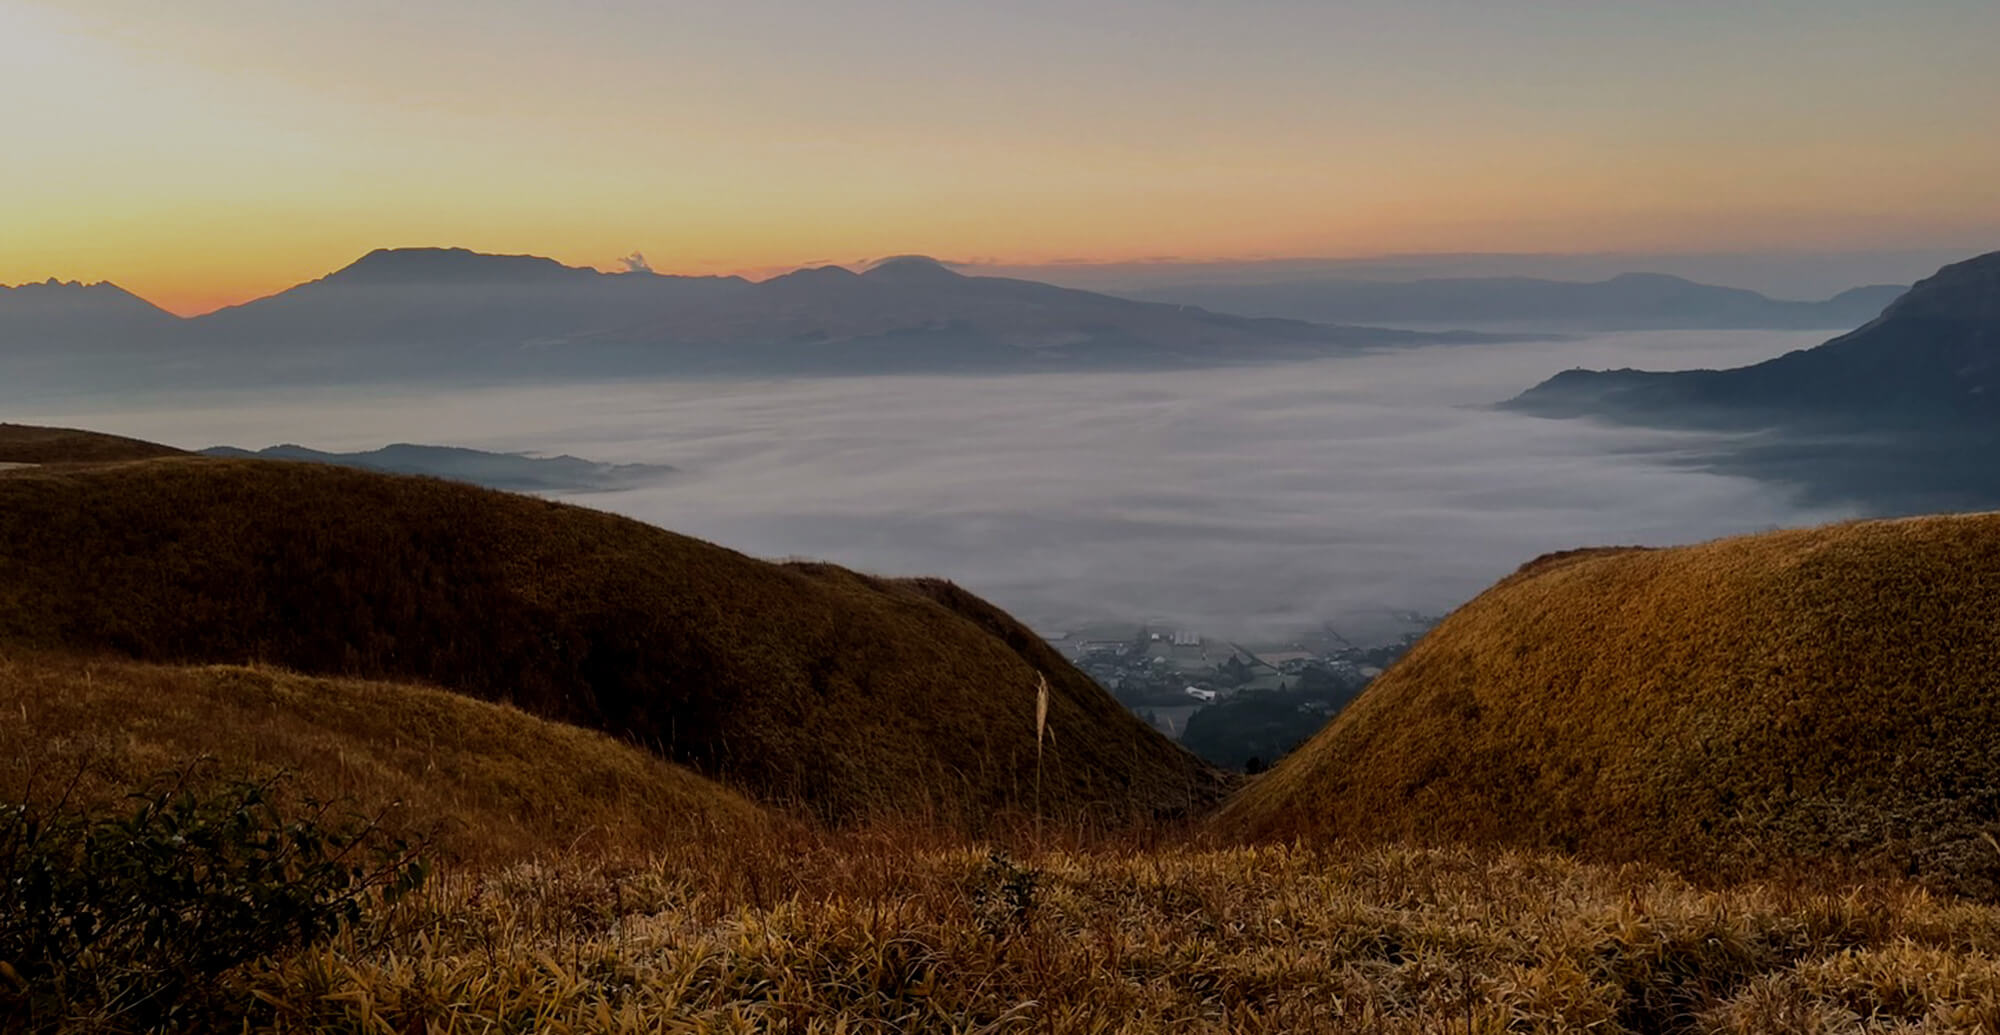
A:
[208,151]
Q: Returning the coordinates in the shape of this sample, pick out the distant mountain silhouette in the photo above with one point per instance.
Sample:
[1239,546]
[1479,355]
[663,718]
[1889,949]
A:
[914,312]
[1901,416]
[453,314]
[396,266]
[1931,359]
[517,472]
[456,306]
[1630,301]
[53,314]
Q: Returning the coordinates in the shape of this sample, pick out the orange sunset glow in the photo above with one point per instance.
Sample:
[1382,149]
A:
[202,161]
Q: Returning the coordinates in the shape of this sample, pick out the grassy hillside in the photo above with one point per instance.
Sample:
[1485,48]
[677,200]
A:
[736,924]
[28,444]
[1730,708]
[1817,697]
[481,783]
[847,693]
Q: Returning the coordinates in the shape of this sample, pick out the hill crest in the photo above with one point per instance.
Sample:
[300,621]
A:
[1819,697]
[33,444]
[845,693]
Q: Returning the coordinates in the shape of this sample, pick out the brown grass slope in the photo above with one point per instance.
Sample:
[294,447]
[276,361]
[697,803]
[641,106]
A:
[478,782]
[847,693]
[1819,697]
[28,444]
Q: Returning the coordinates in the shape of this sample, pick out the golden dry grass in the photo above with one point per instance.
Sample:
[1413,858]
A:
[1815,698]
[883,931]
[29,444]
[850,694]
[480,783]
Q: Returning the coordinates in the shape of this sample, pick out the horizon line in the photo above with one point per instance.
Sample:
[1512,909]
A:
[764,273]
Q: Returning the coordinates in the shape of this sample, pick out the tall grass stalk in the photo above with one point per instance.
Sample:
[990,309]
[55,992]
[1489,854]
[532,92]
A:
[1041,730]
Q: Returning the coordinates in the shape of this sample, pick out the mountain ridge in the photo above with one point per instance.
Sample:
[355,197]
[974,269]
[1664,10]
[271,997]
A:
[1626,301]
[70,314]
[1931,359]
[514,472]
[451,313]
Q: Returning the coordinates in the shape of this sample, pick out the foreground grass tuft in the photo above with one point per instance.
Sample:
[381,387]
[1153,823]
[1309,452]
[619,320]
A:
[894,931]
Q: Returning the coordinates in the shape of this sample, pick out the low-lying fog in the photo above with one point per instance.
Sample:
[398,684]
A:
[1240,502]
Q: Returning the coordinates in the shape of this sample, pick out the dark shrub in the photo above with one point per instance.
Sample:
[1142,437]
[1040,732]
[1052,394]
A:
[128,921]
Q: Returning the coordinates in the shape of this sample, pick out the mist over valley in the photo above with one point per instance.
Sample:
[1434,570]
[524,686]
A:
[1244,501]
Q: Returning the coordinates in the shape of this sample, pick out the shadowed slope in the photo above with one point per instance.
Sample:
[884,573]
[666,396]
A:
[1825,696]
[485,783]
[850,694]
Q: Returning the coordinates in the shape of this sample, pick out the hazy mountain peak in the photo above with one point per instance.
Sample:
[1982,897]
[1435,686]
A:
[814,274]
[51,303]
[911,268]
[431,265]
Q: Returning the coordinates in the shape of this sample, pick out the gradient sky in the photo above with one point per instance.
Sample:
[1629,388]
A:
[207,151]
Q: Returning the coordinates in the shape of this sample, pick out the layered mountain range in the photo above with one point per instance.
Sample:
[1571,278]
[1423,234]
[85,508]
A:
[451,313]
[1629,301]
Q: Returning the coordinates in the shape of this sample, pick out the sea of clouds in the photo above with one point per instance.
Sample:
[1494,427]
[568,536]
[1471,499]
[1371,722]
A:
[1245,502]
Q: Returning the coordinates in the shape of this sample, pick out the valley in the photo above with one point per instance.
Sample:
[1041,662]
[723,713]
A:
[1388,517]
[934,853]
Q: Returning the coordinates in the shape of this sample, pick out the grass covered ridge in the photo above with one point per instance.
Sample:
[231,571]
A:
[475,782]
[28,444]
[1822,697]
[849,694]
